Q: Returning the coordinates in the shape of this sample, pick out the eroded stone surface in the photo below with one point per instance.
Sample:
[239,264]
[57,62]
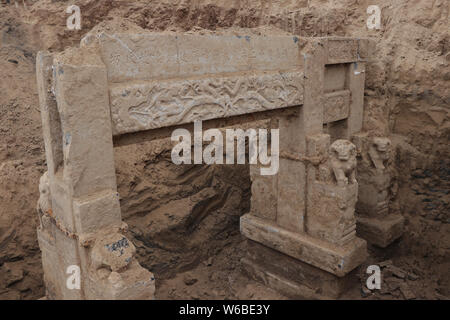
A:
[161,103]
[336,259]
[149,55]
[336,106]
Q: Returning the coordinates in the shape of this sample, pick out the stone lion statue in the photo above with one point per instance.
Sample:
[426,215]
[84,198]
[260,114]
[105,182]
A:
[379,152]
[343,162]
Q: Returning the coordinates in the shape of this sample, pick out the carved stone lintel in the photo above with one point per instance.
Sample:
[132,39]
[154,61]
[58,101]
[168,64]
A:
[155,104]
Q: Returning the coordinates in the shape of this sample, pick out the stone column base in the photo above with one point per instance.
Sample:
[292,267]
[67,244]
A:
[380,231]
[336,259]
[135,283]
[291,277]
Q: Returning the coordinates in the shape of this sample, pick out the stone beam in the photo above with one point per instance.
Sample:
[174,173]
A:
[161,103]
[148,56]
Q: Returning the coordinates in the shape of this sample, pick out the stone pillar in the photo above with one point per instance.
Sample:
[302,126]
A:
[375,222]
[74,99]
[292,176]
[310,249]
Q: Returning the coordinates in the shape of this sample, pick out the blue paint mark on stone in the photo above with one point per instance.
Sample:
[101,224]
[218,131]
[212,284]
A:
[67,138]
[239,37]
[295,39]
[247,38]
[122,243]
[118,246]
[60,70]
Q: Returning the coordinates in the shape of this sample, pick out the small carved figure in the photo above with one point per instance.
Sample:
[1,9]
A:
[343,162]
[44,205]
[379,152]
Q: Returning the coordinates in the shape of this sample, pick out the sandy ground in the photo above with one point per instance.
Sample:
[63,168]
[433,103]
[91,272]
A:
[407,96]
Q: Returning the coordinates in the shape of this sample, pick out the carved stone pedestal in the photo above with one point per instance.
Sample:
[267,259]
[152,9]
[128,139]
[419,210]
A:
[375,173]
[292,277]
[332,215]
[298,265]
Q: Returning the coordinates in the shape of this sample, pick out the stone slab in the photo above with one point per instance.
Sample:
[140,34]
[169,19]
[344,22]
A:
[62,203]
[342,50]
[331,212]
[147,56]
[81,91]
[338,260]
[355,78]
[336,106]
[135,283]
[291,195]
[96,211]
[155,104]
[51,123]
[264,194]
[335,75]
[380,231]
[50,264]
[291,277]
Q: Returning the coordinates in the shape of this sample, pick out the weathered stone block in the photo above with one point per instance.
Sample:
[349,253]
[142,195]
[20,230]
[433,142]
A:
[291,277]
[149,55]
[62,203]
[373,196]
[331,212]
[135,283]
[291,195]
[336,259]
[81,90]
[313,107]
[111,270]
[96,211]
[335,76]
[68,255]
[51,123]
[318,145]
[341,50]
[380,231]
[356,77]
[336,106]
[50,264]
[264,194]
